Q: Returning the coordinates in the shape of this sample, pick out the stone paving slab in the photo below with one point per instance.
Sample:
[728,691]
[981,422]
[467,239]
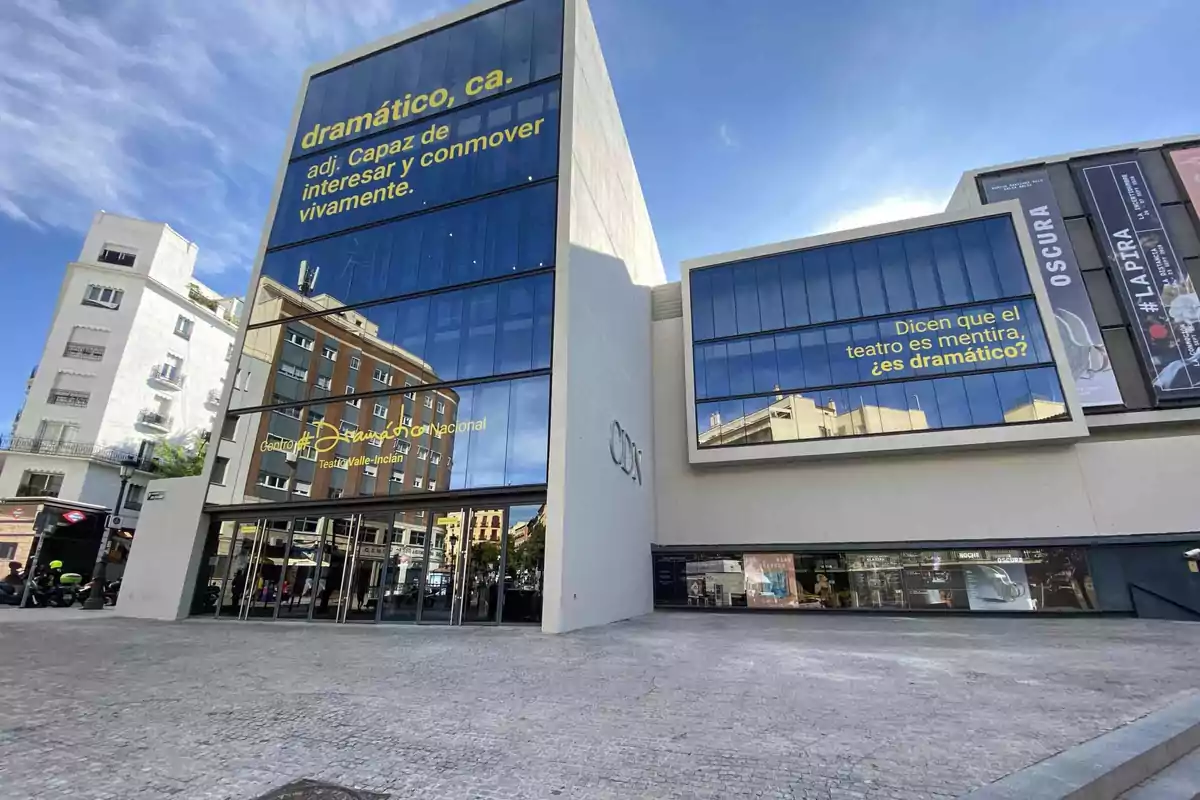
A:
[673,705]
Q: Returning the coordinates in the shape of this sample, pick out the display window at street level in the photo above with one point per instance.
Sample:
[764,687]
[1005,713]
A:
[982,580]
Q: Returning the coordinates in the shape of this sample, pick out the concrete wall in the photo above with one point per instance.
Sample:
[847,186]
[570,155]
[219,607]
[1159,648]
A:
[600,521]
[166,552]
[1116,482]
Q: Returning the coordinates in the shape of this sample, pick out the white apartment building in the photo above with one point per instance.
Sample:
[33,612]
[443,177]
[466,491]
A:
[137,352]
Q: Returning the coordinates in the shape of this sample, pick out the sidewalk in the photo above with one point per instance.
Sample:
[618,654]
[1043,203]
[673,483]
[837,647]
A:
[72,614]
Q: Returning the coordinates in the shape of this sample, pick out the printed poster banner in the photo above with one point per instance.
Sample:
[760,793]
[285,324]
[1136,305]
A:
[999,586]
[771,580]
[1187,167]
[1086,353]
[1155,285]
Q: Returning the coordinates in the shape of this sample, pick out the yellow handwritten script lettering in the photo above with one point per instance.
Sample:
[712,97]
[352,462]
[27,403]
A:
[401,108]
[329,436]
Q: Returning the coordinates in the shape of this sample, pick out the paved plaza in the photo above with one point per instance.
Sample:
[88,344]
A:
[671,705]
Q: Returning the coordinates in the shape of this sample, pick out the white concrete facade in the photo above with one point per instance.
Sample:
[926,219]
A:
[137,351]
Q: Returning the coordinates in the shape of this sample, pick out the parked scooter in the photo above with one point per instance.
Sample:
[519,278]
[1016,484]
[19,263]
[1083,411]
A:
[53,587]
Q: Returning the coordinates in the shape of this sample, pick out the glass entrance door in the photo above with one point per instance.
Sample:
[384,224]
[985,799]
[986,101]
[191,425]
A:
[463,587]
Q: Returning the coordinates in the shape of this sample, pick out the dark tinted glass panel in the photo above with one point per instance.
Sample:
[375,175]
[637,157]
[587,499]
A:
[490,238]
[790,361]
[869,275]
[952,402]
[499,144]
[763,363]
[745,293]
[702,306]
[918,248]
[770,297]
[977,258]
[951,273]
[815,356]
[1006,254]
[983,399]
[716,371]
[741,377]
[845,287]
[894,266]
[523,41]
[724,307]
[795,293]
[820,290]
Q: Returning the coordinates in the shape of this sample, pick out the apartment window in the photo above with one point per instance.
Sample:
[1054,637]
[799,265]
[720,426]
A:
[308,454]
[71,389]
[86,343]
[429,401]
[441,406]
[184,326]
[433,486]
[416,538]
[355,403]
[408,420]
[103,296]
[293,412]
[171,370]
[220,466]
[435,458]
[307,524]
[114,255]
[229,429]
[437,434]
[381,411]
[382,375]
[355,363]
[272,481]
[53,436]
[324,382]
[403,448]
[8,551]
[410,395]
[374,442]
[302,488]
[329,352]
[40,484]
[397,477]
[314,416]
[292,371]
[300,340]
[417,481]
[422,453]
[348,427]
[370,470]
[135,494]
[334,493]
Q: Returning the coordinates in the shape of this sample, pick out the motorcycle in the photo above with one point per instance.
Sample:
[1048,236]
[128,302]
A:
[111,590]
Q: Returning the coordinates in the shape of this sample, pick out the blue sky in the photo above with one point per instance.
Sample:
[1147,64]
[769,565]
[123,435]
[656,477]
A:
[750,120]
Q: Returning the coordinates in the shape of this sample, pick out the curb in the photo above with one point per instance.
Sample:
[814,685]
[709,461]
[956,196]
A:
[1112,763]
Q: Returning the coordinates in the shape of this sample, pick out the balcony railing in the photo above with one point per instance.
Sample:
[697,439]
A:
[50,447]
[89,352]
[154,419]
[164,373]
[64,397]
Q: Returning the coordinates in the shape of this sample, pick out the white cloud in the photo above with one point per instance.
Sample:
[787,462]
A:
[170,110]
[887,209]
[725,136]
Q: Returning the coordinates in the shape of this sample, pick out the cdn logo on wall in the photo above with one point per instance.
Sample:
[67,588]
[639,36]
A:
[624,451]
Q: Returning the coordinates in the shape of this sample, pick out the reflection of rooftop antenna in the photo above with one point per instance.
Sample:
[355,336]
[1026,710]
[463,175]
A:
[308,278]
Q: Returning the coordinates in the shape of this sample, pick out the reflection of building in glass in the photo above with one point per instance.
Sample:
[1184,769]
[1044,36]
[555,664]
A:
[339,354]
[1037,409]
[793,417]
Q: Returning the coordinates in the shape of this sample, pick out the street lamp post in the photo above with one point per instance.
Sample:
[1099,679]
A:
[95,598]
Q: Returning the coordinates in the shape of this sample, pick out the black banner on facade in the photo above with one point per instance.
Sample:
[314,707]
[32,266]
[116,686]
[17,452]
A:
[1157,290]
[1077,325]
